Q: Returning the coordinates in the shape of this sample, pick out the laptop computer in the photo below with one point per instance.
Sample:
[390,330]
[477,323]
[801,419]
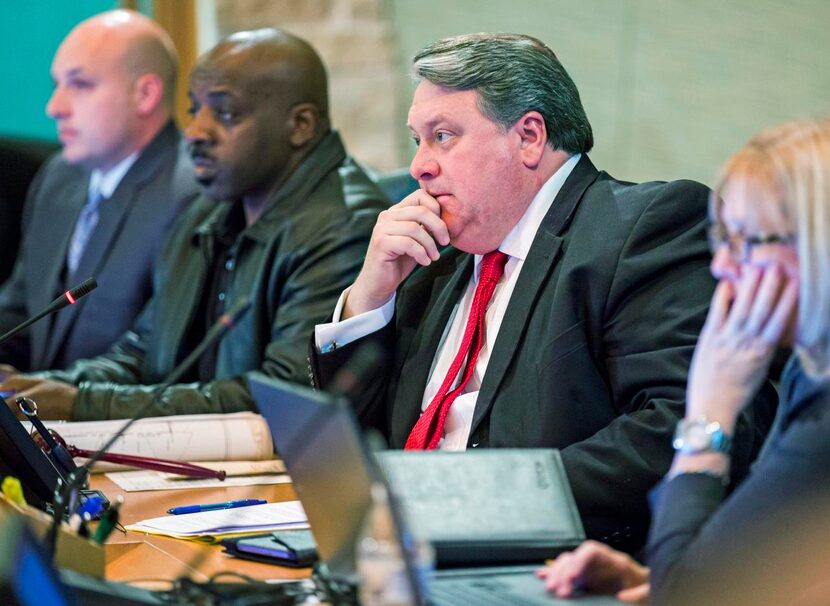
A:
[332,469]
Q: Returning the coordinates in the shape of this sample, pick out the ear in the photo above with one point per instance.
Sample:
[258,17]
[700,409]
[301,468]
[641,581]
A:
[533,138]
[303,124]
[148,91]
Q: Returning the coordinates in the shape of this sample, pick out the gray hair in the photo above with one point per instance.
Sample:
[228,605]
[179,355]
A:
[512,74]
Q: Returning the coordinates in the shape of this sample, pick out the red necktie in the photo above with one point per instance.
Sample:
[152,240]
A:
[430,427]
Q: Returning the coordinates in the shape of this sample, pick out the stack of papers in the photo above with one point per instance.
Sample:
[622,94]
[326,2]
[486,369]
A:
[213,525]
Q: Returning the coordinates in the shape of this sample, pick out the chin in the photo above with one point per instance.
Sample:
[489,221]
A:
[71,156]
[210,189]
[476,244]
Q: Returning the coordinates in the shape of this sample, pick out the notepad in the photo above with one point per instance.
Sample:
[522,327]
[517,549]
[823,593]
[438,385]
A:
[213,525]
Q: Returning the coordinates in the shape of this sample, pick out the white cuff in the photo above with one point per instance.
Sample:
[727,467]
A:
[337,333]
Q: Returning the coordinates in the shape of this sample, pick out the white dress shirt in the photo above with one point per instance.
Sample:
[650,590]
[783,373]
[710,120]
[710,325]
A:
[106,182]
[516,245]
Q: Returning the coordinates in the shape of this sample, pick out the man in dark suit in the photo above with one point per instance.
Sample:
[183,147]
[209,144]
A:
[103,206]
[600,287]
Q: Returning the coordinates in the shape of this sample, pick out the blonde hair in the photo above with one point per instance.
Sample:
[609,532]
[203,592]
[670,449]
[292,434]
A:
[792,160]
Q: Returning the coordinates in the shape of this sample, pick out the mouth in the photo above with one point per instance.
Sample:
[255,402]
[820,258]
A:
[204,167]
[439,196]
[67,134]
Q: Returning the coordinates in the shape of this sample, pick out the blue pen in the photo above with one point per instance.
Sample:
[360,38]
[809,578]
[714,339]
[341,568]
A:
[214,506]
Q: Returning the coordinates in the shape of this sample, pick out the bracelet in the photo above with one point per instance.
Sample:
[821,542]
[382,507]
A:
[723,478]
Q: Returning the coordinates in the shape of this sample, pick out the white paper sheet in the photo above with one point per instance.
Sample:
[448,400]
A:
[288,515]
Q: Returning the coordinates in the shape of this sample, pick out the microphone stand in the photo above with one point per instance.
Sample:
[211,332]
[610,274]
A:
[67,298]
[66,493]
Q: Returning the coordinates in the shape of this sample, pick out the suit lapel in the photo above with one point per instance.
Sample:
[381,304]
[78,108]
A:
[111,219]
[54,263]
[535,272]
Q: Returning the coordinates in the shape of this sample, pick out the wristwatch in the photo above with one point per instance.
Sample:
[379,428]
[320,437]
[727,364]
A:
[700,435]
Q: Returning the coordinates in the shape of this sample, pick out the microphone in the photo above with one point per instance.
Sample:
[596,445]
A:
[70,297]
[225,322]
[64,498]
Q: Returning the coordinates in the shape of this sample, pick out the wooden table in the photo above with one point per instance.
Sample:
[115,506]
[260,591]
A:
[135,557]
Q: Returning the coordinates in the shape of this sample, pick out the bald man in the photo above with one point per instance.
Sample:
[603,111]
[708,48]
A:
[285,220]
[102,206]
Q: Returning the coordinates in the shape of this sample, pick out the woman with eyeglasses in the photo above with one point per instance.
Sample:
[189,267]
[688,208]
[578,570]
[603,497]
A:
[769,541]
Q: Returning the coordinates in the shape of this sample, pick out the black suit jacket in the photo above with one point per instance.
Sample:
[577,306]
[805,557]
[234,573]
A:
[120,254]
[593,351]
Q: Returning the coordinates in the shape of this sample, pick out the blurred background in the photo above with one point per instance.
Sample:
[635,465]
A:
[671,87]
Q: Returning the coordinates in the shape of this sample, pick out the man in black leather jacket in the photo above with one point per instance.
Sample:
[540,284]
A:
[285,220]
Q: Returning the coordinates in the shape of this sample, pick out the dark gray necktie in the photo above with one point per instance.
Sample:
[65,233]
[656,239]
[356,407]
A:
[87,221]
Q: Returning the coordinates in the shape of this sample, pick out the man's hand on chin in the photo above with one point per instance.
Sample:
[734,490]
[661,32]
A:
[405,235]
[55,400]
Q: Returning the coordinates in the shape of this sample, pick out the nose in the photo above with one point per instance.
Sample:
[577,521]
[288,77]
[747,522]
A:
[58,106]
[423,165]
[723,265]
[199,128]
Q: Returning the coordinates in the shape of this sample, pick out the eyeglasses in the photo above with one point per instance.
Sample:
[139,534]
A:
[740,245]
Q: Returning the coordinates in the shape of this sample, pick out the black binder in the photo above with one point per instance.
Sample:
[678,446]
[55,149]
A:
[487,506]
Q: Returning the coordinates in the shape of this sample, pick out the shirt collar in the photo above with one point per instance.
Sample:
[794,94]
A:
[106,182]
[518,241]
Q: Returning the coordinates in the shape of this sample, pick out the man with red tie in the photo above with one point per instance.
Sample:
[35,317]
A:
[522,297]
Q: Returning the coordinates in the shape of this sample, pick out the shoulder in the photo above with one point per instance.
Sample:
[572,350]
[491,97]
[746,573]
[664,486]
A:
[360,192]
[56,170]
[807,423]
[345,201]
[615,213]
[347,190]
[164,174]
[50,186]
[631,200]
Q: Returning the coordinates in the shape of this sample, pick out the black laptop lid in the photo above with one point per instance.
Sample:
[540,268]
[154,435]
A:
[318,439]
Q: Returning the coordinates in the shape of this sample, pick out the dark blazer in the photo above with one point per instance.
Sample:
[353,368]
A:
[120,254]
[767,543]
[593,351]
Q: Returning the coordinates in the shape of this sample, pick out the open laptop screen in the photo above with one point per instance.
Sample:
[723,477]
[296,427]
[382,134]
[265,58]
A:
[318,438]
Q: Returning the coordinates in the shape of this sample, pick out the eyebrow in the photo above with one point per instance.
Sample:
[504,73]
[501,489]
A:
[220,95]
[74,72]
[431,122]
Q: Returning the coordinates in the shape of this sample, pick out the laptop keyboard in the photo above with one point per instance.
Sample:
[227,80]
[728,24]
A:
[475,593]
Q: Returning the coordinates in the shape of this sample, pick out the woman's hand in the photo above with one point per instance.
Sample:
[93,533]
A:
[742,330]
[597,568]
